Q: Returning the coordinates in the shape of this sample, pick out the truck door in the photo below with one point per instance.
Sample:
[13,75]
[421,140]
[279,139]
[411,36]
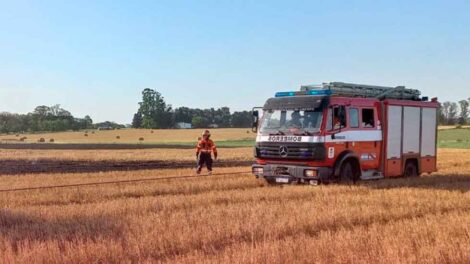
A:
[336,121]
[335,131]
[368,138]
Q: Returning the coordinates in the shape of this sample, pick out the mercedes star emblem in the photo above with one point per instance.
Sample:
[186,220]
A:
[283,151]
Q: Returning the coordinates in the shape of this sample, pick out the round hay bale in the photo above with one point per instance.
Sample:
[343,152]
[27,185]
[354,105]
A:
[41,140]
[151,131]
[141,139]
[17,135]
[93,132]
[51,140]
[118,137]
[86,135]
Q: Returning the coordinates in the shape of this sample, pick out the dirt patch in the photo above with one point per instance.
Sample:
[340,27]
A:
[91,146]
[21,166]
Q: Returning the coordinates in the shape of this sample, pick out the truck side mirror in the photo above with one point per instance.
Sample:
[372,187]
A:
[254,125]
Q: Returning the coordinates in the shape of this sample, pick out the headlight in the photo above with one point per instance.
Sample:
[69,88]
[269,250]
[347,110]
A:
[258,170]
[310,173]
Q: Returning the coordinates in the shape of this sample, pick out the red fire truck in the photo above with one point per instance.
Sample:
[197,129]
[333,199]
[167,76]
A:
[344,132]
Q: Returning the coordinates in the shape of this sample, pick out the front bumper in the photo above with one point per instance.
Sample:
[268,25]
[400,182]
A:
[292,173]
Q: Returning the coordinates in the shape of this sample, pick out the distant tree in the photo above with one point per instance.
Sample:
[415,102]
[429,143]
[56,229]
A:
[441,118]
[209,116]
[445,112]
[57,111]
[137,120]
[223,117]
[183,114]
[464,104]
[155,112]
[42,111]
[242,119]
[450,111]
[453,111]
[11,123]
[148,122]
[88,122]
[198,122]
[110,124]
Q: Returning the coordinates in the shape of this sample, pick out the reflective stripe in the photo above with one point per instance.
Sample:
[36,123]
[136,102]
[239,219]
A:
[204,146]
[356,135]
[290,139]
[345,136]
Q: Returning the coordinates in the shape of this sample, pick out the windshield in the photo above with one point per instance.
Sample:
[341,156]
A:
[291,121]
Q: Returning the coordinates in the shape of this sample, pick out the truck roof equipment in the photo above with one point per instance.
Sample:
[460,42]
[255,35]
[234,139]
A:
[359,90]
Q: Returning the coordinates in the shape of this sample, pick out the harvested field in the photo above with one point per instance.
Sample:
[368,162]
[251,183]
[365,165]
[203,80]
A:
[235,218]
[131,136]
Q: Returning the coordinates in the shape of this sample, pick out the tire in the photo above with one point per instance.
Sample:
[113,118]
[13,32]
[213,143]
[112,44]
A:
[411,169]
[347,174]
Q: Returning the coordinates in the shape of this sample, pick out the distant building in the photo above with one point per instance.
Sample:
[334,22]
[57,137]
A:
[105,128]
[183,125]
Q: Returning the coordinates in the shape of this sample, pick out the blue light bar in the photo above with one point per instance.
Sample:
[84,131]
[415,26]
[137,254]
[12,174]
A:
[309,92]
[319,92]
[284,94]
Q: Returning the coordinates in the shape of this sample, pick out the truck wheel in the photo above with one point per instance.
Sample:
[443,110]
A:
[347,174]
[410,169]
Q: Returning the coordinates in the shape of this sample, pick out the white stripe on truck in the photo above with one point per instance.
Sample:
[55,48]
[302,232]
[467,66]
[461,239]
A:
[346,136]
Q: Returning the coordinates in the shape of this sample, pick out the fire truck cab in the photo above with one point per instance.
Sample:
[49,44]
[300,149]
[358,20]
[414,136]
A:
[343,132]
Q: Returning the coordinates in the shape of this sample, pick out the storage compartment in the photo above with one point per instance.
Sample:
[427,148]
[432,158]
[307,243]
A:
[428,164]
[411,129]
[428,133]
[394,168]
[394,132]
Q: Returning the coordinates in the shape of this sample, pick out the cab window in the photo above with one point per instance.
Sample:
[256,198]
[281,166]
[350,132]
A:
[353,117]
[368,120]
[336,118]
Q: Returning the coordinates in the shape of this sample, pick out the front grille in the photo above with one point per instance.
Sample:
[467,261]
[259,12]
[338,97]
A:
[315,151]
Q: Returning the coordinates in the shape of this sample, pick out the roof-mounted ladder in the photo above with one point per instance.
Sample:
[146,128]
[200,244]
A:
[366,91]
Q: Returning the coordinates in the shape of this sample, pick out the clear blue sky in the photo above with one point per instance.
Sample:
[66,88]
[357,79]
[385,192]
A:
[95,57]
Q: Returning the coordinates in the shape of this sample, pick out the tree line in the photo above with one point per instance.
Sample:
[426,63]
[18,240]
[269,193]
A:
[43,118]
[48,119]
[452,113]
[155,113]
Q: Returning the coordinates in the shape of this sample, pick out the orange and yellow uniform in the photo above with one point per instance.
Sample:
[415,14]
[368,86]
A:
[204,150]
[206,146]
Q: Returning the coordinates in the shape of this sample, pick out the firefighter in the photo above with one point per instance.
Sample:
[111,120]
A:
[204,150]
[295,120]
